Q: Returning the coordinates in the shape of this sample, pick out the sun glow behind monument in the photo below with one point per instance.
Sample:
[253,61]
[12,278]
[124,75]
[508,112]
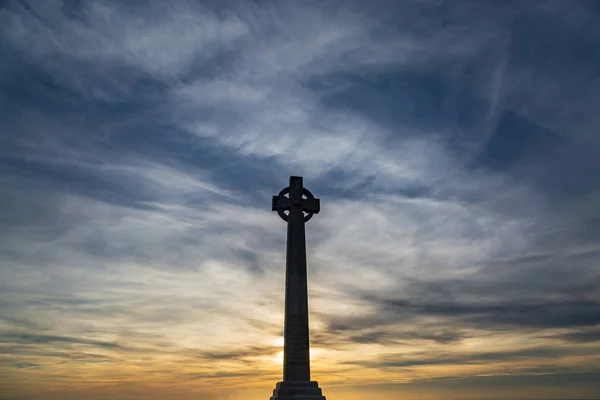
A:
[278,358]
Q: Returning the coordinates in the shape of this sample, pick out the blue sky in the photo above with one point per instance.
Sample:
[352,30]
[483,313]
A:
[453,145]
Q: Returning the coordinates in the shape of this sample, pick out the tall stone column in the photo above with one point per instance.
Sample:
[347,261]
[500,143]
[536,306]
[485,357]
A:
[296,384]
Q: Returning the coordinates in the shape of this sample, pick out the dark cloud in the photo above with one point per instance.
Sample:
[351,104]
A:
[240,354]
[447,302]
[34,339]
[221,374]
[438,358]
[586,336]
[461,315]
[544,315]
[369,337]
[387,338]
[24,365]
[344,335]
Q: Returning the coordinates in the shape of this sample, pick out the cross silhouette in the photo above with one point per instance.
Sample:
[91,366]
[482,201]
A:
[296,196]
[300,205]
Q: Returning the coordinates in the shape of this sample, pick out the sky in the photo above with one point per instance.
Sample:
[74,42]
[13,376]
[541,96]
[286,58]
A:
[453,145]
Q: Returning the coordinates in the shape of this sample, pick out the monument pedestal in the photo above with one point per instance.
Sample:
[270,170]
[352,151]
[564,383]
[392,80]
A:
[297,391]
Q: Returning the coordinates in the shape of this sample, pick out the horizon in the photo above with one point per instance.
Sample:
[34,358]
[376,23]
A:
[453,147]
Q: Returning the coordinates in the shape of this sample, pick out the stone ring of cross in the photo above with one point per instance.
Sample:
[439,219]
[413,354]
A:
[283,205]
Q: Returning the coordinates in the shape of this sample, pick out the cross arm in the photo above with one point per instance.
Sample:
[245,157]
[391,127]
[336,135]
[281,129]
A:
[284,203]
[311,205]
[280,203]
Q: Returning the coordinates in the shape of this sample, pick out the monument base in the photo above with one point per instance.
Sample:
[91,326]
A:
[291,390]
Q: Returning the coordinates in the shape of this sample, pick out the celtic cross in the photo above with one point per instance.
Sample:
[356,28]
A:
[296,205]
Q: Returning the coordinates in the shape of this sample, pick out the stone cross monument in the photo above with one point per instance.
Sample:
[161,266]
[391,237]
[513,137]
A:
[296,384]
